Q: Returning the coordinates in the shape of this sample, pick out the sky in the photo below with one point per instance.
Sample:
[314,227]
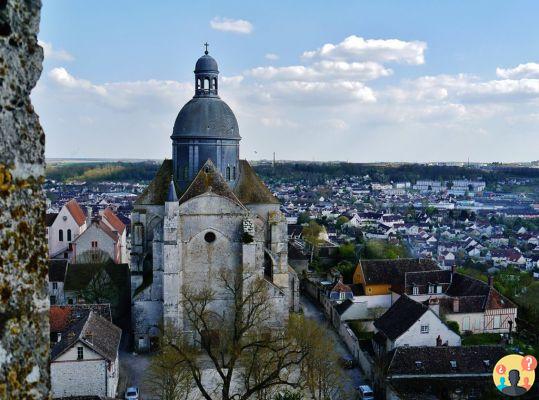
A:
[358,81]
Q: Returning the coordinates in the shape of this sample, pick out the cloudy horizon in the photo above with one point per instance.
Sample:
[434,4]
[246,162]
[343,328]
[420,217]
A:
[353,91]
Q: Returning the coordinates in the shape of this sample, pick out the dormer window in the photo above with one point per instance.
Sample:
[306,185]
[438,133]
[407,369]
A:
[431,289]
[453,364]
[415,290]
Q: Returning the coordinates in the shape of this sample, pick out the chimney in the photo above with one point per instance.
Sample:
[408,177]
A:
[456,304]
[89,212]
[491,280]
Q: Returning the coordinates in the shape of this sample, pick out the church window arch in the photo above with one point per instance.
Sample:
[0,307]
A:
[69,235]
[61,235]
[199,84]
[214,80]
[227,173]
[234,173]
[206,83]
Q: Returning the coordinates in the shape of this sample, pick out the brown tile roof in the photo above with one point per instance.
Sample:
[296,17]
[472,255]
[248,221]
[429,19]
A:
[392,272]
[94,331]
[208,179]
[62,316]
[76,212]
[113,220]
[470,360]
[250,189]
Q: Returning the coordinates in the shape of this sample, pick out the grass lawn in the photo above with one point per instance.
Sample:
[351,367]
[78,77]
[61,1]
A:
[481,338]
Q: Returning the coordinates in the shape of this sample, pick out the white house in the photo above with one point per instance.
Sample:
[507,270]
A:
[84,362]
[63,228]
[409,323]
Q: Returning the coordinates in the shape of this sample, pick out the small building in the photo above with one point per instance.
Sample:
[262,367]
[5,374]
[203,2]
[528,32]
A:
[84,362]
[57,273]
[444,372]
[380,277]
[409,323]
[63,228]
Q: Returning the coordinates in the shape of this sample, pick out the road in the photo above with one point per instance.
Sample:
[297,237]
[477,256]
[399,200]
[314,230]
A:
[312,311]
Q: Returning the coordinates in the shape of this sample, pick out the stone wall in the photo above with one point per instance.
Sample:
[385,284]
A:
[23,293]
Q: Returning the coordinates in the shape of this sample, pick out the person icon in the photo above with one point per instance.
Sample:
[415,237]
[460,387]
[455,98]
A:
[514,389]
[502,384]
[526,385]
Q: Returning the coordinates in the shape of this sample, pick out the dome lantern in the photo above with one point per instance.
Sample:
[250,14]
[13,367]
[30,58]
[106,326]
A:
[206,75]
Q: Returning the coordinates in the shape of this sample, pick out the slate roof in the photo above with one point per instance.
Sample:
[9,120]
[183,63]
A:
[76,212]
[392,272]
[470,360]
[96,332]
[57,270]
[463,285]
[50,218]
[250,189]
[208,179]
[400,317]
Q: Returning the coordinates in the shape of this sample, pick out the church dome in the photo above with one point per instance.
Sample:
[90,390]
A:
[206,63]
[206,117]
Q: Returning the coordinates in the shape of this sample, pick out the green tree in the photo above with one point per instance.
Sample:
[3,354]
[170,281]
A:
[304,218]
[311,235]
[341,221]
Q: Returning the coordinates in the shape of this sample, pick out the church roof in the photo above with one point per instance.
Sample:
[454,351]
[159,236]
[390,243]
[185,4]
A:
[250,189]
[156,192]
[206,117]
[208,179]
[206,63]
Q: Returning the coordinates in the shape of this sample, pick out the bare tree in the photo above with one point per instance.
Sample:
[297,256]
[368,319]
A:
[239,351]
[167,377]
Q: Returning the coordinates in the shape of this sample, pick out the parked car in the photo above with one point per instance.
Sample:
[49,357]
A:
[347,362]
[365,392]
[132,393]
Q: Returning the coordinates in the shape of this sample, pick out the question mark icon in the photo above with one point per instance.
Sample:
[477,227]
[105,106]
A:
[529,363]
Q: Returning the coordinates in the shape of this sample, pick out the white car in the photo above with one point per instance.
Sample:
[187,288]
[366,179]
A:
[365,392]
[132,393]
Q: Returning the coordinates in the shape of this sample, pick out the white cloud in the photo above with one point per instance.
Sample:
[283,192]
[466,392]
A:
[53,54]
[322,71]
[528,70]
[271,56]
[232,80]
[231,25]
[356,48]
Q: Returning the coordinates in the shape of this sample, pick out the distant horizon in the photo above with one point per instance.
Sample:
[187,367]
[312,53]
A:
[123,159]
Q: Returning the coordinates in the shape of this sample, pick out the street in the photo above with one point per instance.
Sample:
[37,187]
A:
[312,311]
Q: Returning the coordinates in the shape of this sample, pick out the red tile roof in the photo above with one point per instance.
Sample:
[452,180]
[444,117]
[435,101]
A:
[59,318]
[75,210]
[113,220]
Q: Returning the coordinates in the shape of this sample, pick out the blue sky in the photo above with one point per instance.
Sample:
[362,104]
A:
[396,81]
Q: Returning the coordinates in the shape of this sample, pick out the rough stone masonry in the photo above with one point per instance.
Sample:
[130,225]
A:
[24,305]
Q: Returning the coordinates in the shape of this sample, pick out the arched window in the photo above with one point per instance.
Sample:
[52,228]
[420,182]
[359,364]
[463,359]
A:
[61,235]
[215,84]
[227,173]
[233,173]
[206,83]
[69,235]
[199,84]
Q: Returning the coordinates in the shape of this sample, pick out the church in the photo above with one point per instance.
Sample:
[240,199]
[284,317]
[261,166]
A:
[204,212]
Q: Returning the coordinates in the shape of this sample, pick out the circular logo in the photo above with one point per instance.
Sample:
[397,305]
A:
[514,374]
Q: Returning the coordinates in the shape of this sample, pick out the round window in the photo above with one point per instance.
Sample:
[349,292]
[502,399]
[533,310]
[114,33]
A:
[209,237]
